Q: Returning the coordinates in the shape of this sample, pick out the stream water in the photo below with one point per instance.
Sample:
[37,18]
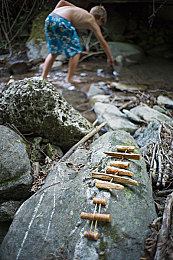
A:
[152,74]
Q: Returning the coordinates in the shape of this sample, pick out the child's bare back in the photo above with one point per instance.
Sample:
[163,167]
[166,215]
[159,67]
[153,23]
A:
[79,17]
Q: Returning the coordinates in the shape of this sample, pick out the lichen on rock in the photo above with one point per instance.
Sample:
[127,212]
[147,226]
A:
[34,105]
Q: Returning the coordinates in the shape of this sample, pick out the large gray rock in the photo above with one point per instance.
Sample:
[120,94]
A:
[8,210]
[15,168]
[4,226]
[132,117]
[48,224]
[37,49]
[114,117]
[147,134]
[99,98]
[126,50]
[96,89]
[168,102]
[36,44]
[149,114]
[35,106]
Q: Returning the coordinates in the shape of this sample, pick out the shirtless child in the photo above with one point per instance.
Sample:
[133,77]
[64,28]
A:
[62,36]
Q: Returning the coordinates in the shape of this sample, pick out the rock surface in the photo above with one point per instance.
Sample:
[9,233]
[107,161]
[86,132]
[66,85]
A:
[15,176]
[8,210]
[126,50]
[163,100]
[36,44]
[148,134]
[114,117]
[48,224]
[15,168]
[35,106]
[149,114]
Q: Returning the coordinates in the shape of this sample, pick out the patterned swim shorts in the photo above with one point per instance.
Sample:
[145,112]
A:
[61,36]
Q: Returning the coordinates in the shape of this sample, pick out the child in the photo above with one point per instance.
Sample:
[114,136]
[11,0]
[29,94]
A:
[62,36]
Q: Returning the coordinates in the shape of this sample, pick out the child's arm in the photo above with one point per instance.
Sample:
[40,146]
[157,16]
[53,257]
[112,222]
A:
[63,3]
[104,44]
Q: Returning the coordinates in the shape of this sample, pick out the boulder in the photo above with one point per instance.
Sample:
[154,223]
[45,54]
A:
[132,117]
[148,134]
[8,210]
[37,49]
[127,50]
[18,67]
[15,173]
[99,98]
[114,117]
[126,87]
[4,226]
[149,114]
[163,100]
[15,176]
[35,106]
[96,89]
[48,225]
[36,44]
[160,109]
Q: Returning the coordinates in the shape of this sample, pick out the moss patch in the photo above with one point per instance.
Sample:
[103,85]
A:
[128,192]
[103,248]
[5,183]
[115,236]
[38,31]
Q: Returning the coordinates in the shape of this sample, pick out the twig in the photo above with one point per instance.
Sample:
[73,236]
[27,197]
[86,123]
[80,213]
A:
[155,11]
[126,104]
[88,41]
[7,13]
[159,169]
[164,232]
[152,160]
[168,125]
[5,20]
[88,110]
[166,156]
[90,54]
[163,192]
[6,36]
[84,139]
[18,15]
[154,169]
[26,19]
[19,133]
[167,111]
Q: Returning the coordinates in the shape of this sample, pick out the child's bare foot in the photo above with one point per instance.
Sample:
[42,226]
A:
[73,80]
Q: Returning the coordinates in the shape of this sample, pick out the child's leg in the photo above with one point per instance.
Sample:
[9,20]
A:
[73,62]
[48,65]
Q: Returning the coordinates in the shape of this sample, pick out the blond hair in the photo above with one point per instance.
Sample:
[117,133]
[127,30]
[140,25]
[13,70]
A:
[99,12]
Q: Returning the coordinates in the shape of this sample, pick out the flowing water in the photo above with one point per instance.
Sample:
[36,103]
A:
[153,75]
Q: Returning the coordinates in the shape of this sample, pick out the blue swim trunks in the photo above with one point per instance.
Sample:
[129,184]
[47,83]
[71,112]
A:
[61,36]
